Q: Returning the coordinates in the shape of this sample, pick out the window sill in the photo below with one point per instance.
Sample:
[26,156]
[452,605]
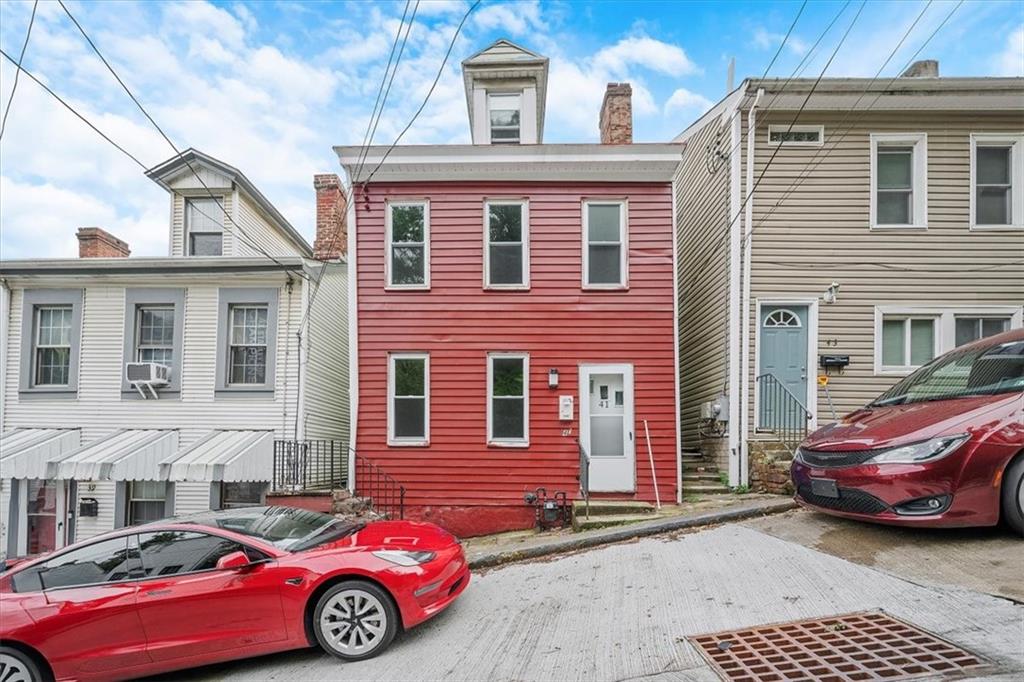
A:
[506,287]
[164,394]
[886,228]
[895,371]
[508,444]
[48,394]
[408,443]
[244,393]
[996,228]
[409,287]
[605,287]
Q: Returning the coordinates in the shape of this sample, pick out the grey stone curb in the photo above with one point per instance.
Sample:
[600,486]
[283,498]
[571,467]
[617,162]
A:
[618,534]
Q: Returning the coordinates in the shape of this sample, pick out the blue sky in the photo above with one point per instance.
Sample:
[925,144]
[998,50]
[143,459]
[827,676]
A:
[269,87]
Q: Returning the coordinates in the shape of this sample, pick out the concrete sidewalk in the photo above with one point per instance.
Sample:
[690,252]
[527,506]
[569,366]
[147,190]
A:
[504,548]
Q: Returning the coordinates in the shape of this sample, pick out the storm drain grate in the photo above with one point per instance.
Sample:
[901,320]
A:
[858,646]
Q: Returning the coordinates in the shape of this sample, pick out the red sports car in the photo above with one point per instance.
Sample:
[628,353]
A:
[944,447]
[222,585]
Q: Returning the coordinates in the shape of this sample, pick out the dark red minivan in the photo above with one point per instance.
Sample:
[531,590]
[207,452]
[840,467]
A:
[943,447]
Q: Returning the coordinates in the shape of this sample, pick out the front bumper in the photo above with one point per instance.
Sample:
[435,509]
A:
[440,583]
[878,493]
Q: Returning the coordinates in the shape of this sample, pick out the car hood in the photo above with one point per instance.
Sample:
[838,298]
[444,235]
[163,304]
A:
[895,425]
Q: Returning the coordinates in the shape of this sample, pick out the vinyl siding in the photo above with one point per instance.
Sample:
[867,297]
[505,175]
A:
[702,226]
[258,230]
[191,497]
[556,322]
[326,391]
[5,511]
[105,493]
[820,234]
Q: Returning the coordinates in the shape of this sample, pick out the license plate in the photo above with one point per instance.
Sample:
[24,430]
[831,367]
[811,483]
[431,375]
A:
[824,487]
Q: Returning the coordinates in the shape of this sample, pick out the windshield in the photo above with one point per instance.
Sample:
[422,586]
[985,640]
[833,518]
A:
[970,371]
[286,528]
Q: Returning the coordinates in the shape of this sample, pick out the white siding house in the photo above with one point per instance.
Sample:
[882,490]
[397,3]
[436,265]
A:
[253,355]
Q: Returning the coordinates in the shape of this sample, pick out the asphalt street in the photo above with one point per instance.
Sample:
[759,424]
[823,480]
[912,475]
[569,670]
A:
[623,612]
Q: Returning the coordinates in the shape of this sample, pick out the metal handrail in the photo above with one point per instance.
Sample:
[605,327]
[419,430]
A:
[781,412]
[584,476]
[309,465]
[385,494]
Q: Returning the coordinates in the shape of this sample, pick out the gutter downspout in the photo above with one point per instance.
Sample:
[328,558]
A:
[745,336]
[675,331]
[733,388]
[353,336]
[5,323]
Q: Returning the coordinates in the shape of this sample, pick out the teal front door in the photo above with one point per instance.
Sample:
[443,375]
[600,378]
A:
[783,362]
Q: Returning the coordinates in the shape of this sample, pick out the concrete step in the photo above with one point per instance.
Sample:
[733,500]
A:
[695,476]
[612,507]
[581,522]
[706,488]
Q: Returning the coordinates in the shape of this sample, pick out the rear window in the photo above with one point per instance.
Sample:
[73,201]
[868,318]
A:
[990,369]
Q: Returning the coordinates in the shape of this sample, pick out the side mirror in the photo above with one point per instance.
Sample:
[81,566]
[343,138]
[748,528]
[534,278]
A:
[232,560]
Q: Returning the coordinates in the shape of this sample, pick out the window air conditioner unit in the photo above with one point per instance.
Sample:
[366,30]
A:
[151,375]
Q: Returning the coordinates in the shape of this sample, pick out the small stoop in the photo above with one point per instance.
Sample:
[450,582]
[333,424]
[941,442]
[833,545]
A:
[701,476]
[604,513]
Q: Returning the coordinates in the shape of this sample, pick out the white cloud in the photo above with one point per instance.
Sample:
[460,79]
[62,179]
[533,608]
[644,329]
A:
[765,40]
[645,52]
[683,101]
[1010,61]
[514,18]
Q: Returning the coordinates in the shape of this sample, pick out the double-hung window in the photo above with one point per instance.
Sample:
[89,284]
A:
[52,357]
[408,245]
[899,180]
[506,244]
[247,345]
[907,341]
[154,336]
[504,110]
[605,244]
[408,399]
[204,221]
[508,399]
[997,181]
[971,327]
[147,501]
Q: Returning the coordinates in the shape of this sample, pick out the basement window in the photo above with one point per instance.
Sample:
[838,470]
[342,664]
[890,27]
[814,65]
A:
[796,135]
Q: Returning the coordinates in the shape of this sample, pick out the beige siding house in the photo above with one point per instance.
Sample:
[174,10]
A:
[240,336]
[877,229]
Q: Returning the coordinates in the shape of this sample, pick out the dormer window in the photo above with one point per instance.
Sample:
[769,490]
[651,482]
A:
[204,222]
[504,110]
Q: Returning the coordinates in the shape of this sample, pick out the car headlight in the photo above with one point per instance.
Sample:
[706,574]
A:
[403,557]
[925,451]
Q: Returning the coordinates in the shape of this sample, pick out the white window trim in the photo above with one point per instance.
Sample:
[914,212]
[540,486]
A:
[491,94]
[945,327]
[525,244]
[394,441]
[623,253]
[1016,178]
[388,285]
[523,442]
[188,223]
[783,128]
[919,181]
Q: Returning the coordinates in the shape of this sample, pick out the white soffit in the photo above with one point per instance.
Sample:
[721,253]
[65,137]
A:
[25,452]
[128,455]
[229,456]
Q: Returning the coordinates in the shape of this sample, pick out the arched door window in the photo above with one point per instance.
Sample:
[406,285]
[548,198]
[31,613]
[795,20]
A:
[782,318]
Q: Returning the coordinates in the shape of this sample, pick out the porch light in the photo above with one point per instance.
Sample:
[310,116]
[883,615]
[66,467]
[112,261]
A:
[552,378]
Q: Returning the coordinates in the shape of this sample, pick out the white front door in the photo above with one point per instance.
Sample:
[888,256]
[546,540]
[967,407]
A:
[606,426]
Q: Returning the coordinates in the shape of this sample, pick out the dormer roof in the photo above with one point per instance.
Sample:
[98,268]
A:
[503,60]
[224,176]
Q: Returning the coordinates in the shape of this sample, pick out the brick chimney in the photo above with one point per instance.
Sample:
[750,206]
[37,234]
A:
[617,114]
[924,68]
[95,242]
[331,232]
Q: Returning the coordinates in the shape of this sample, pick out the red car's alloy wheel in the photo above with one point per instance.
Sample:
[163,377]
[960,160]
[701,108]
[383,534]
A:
[355,620]
[17,667]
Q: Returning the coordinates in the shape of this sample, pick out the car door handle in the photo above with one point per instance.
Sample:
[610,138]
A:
[157,593]
[293,581]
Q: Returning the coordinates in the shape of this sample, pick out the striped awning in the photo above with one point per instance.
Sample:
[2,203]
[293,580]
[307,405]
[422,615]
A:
[126,455]
[231,456]
[25,452]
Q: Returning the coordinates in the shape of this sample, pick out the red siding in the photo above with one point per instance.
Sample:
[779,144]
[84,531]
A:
[557,322]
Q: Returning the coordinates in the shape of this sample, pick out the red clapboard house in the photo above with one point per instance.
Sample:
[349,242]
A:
[514,301]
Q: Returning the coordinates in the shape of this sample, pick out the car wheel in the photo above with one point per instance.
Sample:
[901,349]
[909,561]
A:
[355,620]
[16,666]
[1013,495]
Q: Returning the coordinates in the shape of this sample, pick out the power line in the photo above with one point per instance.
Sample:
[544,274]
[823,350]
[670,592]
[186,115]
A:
[17,72]
[784,40]
[241,232]
[74,111]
